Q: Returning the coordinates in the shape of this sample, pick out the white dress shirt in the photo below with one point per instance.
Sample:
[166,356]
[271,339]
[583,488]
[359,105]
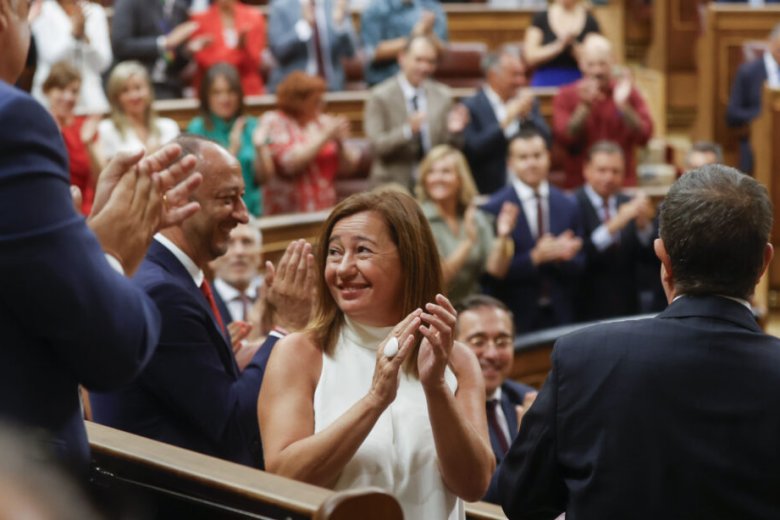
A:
[772,70]
[528,199]
[500,417]
[54,42]
[601,238]
[195,272]
[499,109]
[233,297]
[409,92]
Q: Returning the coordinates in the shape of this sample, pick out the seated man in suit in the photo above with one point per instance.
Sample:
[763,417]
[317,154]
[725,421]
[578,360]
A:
[67,314]
[236,276]
[408,114]
[702,153]
[486,326]
[539,287]
[496,112]
[385,27]
[192,393]
[312,36]
[604,104]
[618,237]
[746,91]
[673,416]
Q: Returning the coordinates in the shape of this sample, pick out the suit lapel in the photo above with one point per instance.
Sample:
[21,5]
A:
[160,255]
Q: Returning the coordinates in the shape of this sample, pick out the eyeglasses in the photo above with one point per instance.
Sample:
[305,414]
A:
[500,343]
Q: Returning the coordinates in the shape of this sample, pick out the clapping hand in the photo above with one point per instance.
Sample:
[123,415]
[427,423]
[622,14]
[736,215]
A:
[135,198]
[457,119]
[507,219]
[384,384]
[439,321]
[290,286]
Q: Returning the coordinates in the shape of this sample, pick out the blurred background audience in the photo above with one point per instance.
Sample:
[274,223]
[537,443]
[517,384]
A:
[133,122]
[222,119]
[75,31]
[309,148]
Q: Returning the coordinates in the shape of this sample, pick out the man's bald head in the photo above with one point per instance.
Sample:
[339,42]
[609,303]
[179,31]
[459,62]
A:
[597,59]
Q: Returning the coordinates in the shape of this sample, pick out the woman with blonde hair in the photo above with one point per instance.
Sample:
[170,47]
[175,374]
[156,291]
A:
[552,42]
[132,123]
[375,392]
[464,234]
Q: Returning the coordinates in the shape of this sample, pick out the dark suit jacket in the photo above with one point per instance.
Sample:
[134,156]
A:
[672,417]
[609,284]
[66,316]
[135,26]
[293,54]
[191,394]
[485,144]
[512,394]
[521,289]
[745,104]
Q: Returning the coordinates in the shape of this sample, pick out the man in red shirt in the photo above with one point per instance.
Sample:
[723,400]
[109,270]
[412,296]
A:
[603,105]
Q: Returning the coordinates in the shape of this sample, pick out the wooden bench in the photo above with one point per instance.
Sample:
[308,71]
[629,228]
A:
[184,482]
[727,29]
[532,351]
[348,104]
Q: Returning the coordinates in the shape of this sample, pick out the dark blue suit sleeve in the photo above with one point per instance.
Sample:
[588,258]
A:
[745,99]
[188,375]
[530,484]
[58,290]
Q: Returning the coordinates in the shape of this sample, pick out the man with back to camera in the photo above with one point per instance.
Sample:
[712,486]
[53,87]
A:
[485,324]
[192,393]
[67,317]
[673,416]
[539,286]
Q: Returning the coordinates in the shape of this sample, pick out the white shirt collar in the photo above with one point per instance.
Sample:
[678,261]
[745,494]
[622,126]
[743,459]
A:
[407,88]
[493,97]
[745,303]
[771,70]
[229,293]
[191,267]
[496,395]
[597,200]
[526,193]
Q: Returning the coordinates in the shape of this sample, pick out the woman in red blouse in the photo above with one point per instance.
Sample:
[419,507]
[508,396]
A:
[234,33]
[61,89]
[307,146]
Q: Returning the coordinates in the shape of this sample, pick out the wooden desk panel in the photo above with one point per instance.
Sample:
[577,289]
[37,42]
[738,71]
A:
[720,53]
[765,136]
[676,29]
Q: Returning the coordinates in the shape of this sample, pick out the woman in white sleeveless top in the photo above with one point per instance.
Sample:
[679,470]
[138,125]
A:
[336,411]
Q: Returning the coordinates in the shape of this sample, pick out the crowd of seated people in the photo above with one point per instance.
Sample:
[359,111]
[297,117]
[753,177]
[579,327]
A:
[364,326]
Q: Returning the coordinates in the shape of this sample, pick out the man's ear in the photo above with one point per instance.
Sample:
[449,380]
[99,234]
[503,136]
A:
[667,277]
[769,253]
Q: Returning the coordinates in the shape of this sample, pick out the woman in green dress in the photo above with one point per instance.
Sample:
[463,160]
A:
[222,119]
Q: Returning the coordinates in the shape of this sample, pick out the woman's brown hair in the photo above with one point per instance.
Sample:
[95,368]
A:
[61,75]
[420,264]
[295,89]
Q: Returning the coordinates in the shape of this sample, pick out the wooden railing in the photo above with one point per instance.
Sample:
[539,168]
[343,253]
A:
[182,482]
[765,138]
[348,104]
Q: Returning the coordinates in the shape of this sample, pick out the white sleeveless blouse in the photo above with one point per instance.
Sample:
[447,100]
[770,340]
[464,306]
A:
[399,454]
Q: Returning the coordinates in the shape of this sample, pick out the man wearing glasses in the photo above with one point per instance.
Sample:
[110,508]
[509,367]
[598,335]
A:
[485,324]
